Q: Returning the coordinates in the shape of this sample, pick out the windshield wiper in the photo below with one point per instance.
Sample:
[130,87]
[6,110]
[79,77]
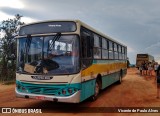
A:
[42,63]
[55,38]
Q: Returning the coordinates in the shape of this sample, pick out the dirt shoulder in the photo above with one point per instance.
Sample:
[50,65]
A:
[134,91]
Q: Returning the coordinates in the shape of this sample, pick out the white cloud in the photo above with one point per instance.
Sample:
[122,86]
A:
[28,20]
[153,46]
[23,19]
[134,22]
[5,16]
[130,50]
[12,4]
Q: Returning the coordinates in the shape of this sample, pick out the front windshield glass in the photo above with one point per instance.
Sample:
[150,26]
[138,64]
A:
[57,54]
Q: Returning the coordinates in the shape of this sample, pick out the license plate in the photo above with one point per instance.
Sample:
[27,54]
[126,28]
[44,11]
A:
[40,97]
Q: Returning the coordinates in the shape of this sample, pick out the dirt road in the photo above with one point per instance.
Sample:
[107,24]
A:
[135,91]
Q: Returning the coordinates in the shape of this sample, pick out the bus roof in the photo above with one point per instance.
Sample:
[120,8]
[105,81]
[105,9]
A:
[80,23]
[144,54]
[99,33]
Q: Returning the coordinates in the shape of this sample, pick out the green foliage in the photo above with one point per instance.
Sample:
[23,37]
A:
[8,47]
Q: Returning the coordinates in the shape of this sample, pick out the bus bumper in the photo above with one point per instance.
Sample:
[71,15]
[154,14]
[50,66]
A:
[75,98]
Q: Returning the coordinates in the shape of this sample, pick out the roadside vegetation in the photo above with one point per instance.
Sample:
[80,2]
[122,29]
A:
[8,30]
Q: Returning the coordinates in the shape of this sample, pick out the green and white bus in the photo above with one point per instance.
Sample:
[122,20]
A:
[66,61]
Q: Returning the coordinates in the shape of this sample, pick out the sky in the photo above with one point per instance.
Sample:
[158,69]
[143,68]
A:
[135,23]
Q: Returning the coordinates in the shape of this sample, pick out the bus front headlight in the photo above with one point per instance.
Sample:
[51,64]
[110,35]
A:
[64,92]
[70,90]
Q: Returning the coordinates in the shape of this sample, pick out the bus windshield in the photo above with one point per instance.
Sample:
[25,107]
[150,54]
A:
[48,54]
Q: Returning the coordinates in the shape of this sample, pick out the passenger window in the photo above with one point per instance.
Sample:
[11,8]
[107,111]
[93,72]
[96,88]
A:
[110,45]
[97,53]
[115,47]
[96,41]
[110,54]
[125,53]
[110,50]
[97,47]
[104,48]
[104,43]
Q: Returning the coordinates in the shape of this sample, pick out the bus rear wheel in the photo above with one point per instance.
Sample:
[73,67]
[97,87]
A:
[120,78]
[96,90]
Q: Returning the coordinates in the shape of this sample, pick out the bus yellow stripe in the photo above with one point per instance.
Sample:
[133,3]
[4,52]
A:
[103,68]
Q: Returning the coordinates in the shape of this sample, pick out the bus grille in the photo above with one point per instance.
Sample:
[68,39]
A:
[45,89]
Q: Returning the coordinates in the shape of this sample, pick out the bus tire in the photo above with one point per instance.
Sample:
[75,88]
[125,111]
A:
[96,90]
[120,77]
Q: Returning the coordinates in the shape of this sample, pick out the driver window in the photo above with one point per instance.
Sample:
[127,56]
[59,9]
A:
[87,50]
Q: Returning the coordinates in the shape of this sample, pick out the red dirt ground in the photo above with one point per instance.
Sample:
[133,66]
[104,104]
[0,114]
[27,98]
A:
[135,91]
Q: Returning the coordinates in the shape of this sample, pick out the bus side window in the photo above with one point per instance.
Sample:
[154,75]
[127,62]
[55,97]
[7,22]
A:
[87,47]
[120,51]
[104,48]
[97,47]
[110,50]
[115,51]
[125,53]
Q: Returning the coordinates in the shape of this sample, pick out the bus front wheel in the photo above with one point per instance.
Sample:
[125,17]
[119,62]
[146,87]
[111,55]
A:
[96,90]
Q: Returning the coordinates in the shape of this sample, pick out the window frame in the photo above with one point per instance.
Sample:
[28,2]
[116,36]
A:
[103,48]
[99,48]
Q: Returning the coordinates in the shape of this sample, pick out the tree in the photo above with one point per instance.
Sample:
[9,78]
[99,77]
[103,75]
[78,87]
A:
[8,46]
